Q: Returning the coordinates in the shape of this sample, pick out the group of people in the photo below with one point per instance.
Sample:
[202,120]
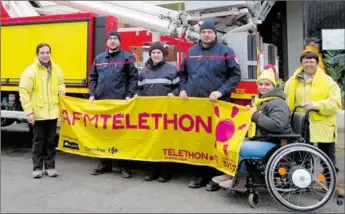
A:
[209,70]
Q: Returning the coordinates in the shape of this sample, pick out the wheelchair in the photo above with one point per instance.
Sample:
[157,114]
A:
[296,170]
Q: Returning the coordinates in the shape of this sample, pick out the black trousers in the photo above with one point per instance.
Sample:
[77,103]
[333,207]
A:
[162,169]
[43,145]
[207,173]
[329,150]
[108,163]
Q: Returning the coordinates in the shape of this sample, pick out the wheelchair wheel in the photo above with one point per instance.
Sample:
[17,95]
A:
[254,199]
[301,178]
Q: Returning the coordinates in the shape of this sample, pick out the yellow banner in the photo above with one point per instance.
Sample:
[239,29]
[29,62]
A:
[158,129]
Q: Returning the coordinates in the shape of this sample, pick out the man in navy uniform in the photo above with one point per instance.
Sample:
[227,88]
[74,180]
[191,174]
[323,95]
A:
[113,76]
[211,70]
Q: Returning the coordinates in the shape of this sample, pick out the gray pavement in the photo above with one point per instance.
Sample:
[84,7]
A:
[75,190]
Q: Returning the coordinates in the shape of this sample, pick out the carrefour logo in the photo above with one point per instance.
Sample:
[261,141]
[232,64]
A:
[112,150]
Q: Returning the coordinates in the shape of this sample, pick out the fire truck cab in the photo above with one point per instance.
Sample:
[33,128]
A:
[77,38]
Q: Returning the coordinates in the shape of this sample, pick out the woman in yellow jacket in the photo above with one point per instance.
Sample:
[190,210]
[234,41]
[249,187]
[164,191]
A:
[40,85]
[313,89]
[313,44]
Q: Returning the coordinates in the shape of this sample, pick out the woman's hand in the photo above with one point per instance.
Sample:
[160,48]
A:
[252,109]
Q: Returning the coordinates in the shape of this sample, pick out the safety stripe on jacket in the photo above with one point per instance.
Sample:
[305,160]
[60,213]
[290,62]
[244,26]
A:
[115,63]
[212,56]
[159,81]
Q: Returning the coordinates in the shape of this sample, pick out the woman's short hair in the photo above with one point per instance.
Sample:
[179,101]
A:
[41,45]
[309,55]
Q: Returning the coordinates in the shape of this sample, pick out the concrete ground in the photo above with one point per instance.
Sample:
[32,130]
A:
[75,190]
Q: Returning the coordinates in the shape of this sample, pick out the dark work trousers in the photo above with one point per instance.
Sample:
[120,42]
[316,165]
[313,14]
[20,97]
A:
[161,169]
[43,145]
[206,172]
[329,150]
[108,163]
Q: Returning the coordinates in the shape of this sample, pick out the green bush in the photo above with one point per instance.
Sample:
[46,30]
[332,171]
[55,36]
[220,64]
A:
[334,61]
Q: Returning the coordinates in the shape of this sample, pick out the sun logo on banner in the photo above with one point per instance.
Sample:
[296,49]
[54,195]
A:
[226,128]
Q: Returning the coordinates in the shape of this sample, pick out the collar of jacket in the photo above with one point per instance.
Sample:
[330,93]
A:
[149,64]
[208,48]
[154,67]
[48,66]
[118,50]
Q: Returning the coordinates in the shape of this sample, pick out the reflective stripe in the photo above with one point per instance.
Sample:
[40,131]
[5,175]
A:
[154,81]
[212,56]
[158,81]
[176,80]
[115,63]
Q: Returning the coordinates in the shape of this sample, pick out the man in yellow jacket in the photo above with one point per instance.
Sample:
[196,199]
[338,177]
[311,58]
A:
[40,86]
[313,89]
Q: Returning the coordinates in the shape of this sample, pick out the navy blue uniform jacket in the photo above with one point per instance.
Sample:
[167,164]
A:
[113,76]
[209,69]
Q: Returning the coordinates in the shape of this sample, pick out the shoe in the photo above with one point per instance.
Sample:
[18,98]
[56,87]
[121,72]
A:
[197,183]
[226,184]
[164,177]
[51,173]
[212,186]
[126,173]
[151,176]
[37,174]
[102,168]
[221,178]
[339,191]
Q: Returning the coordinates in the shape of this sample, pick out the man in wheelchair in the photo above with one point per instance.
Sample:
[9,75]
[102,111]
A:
[270,114]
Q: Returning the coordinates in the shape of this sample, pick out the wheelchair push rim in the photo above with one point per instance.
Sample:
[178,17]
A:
[299,178]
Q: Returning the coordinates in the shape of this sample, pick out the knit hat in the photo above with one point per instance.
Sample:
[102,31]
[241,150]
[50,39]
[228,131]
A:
[269,74]
[159,46]
[208,25]
[114,33]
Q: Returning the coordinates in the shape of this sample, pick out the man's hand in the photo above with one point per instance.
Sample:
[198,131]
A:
[128,99]
[61,93]
[92,98]
[183,95]
[215,95]
[135,95]
[170,95]
[31,119]
[309,106]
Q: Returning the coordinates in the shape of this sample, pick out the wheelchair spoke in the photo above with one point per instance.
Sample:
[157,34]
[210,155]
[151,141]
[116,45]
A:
[323,186]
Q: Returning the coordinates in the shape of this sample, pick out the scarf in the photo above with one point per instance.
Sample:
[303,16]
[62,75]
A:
[53,79]
[257,102]
[319,90]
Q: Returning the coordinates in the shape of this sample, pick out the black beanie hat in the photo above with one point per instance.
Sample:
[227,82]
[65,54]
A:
[208,25]
[159,46]
[312,39]
[114,33]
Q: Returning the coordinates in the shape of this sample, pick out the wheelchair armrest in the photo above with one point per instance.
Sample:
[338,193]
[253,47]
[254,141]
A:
[284,136]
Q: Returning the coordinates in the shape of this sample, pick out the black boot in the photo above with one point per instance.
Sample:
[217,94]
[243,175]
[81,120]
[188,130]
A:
[165,176]
[212,186]
[102,168]
[150,176]
[126,173]
[197,183]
